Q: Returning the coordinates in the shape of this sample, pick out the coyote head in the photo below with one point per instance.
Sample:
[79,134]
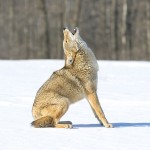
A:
[71,44]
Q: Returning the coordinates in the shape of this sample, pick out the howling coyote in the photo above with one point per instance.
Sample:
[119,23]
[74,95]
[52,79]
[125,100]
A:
[75,81]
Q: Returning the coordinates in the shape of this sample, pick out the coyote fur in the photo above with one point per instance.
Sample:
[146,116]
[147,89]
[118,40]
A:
[75,81]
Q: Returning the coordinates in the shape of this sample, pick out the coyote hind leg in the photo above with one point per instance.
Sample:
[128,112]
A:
[48,121]
[51,113]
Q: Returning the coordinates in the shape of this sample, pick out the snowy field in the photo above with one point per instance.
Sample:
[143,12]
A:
[124,93]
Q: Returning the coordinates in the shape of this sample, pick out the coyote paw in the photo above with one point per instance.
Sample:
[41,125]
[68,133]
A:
[64,124]
[109,125]
[69,126]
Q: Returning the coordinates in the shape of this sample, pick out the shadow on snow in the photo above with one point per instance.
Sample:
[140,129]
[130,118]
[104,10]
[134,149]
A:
[115,125]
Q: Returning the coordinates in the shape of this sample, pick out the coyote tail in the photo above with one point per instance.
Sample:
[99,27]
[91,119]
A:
[43,122]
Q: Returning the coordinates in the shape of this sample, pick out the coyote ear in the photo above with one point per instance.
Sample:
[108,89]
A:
[76,31]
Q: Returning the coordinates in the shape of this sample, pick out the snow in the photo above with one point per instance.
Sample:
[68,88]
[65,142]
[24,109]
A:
[124,93]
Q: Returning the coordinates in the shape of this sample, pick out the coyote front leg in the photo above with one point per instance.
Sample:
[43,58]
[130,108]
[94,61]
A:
[96,115]
[96,107]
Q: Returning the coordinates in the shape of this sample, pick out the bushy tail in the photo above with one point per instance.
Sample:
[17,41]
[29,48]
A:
[44,122]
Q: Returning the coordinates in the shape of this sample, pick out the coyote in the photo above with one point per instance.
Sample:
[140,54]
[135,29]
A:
[75,81]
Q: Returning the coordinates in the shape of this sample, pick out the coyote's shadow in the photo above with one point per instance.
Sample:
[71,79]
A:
[115,125]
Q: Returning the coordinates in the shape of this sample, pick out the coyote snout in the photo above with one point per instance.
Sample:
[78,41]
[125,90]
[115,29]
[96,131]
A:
[75,81]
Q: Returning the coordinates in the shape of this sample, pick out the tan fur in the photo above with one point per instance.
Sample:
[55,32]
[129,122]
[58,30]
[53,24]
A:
[75,81]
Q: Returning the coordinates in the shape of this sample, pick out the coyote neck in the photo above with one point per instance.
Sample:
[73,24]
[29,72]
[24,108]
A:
[85,60]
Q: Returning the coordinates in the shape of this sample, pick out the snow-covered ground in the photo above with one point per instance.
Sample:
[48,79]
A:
[124,93]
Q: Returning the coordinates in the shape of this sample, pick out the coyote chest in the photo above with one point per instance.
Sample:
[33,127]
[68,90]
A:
[71,85]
